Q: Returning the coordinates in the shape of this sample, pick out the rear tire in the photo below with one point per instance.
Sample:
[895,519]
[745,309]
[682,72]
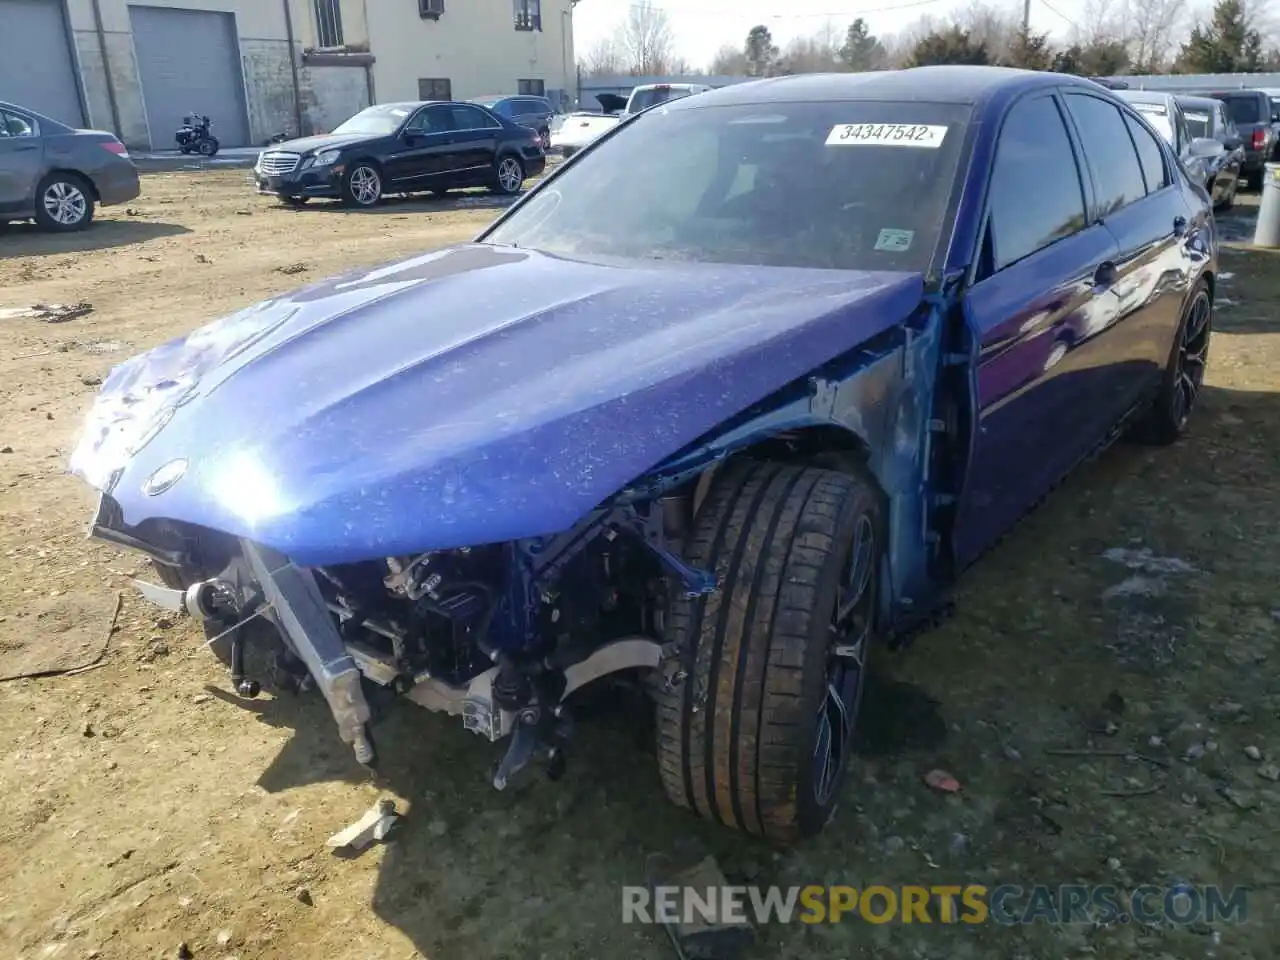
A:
[1167,419]
[64,202]
[508,175]
[744,712]
[1254,181]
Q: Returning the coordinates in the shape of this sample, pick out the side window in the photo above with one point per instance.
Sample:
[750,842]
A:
[1111,154]
[469,118]
[1150,156]
[1036,192]
[12,125]
[432,120]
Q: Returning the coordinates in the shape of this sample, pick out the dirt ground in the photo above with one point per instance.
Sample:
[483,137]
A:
[145,806]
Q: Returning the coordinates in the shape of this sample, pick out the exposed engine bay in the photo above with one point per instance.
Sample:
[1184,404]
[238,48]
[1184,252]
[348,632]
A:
[499,635]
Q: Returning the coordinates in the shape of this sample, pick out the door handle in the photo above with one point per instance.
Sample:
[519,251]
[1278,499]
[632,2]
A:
[1104,275]
[1179,226]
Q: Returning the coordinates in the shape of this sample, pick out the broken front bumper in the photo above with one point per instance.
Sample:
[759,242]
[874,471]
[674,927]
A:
[289,597]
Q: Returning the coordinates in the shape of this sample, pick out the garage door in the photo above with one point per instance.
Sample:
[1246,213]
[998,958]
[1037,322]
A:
[36,69]
[189,61]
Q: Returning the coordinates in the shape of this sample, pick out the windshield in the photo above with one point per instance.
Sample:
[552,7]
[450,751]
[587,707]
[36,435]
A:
[1243,109]
[644,99]
[853,185]
[379,121]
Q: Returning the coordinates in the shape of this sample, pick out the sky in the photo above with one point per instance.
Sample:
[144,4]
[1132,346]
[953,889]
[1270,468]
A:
[701,27]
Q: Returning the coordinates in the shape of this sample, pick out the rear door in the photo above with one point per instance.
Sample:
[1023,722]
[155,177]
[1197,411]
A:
[1040,294]
[21,161]
[475,143]
[1137,199]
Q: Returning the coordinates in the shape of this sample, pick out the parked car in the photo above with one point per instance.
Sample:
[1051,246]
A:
[679,416]
[1258,120]
[580,127]
[529,111]
[1207,117]
[55,174]
[1202,156]
[433,146]
[574,135]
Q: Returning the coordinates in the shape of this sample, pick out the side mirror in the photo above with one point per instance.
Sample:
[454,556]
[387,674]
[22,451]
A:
[1205,148]
[1232,143]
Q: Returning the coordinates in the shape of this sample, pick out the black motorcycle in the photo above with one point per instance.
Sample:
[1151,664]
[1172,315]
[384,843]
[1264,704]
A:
[194,136]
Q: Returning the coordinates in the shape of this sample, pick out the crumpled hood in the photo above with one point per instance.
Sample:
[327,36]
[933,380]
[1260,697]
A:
[472,395]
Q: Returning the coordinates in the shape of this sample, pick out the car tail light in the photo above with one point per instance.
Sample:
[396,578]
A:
[1259,139]
[116,147]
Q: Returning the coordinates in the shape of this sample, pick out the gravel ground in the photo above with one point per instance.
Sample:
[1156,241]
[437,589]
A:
[148,807]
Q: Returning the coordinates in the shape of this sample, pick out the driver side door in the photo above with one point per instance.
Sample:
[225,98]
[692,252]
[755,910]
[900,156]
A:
[421,150]
[1039,301]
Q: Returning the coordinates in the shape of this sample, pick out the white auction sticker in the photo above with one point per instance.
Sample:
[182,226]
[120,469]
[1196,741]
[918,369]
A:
[892,134]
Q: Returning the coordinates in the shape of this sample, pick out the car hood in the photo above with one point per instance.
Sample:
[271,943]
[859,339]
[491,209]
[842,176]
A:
[321,141]
[472,395]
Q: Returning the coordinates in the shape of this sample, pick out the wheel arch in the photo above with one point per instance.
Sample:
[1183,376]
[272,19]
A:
[79,175]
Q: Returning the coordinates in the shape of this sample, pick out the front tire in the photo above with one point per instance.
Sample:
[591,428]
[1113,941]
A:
[64,202]
[758,708]
[508,175]
[208,147]
[1167,419]
[362,186]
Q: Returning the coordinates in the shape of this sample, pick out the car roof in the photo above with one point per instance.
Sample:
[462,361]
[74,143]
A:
[1144,96]
[1196,100]
[936,84]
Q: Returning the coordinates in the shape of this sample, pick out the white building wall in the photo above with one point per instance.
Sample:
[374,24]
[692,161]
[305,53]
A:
[474,45]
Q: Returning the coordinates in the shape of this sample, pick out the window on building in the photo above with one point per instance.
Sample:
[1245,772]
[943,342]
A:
[531,88]
[328,22]
[430,9]
[435,88]
[528,14]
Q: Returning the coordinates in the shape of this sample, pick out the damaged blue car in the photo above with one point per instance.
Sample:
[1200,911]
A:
[721,407]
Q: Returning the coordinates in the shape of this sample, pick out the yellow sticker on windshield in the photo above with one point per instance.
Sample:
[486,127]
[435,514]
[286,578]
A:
[887,134]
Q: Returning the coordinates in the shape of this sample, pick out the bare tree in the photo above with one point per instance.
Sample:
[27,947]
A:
[995,27]
[729,61]
[1152,26]
[646,39]
[900,46]
[1102,22]
[604,59]
[815,54]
